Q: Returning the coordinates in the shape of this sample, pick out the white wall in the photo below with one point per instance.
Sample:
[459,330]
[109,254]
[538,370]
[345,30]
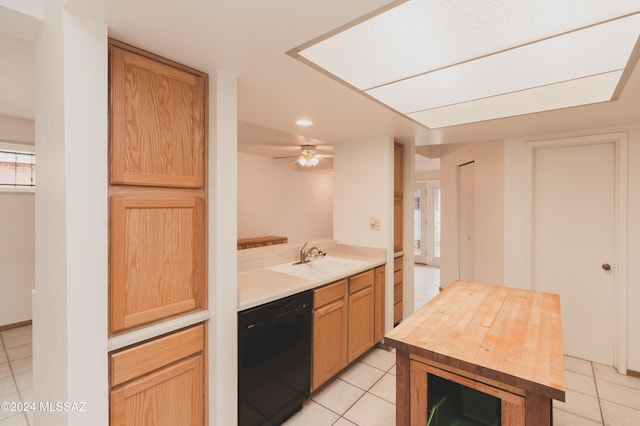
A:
[70,302]
[17,228]
[363,179]
[488,212]
[276,199]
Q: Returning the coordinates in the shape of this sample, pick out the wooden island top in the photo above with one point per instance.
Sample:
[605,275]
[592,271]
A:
[503,337]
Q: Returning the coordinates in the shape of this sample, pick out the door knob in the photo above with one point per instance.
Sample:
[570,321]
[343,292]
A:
[606,266]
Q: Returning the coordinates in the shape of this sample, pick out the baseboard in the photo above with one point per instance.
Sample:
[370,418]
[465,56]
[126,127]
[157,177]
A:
[633,373]
[15,325]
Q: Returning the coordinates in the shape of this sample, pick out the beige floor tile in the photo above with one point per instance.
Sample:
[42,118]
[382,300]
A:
[16,337]
[19,419]
[580,404]
[19,352]
[372,411]
[24,380]
[606,372]
[618,415]
[338,396]
[380,358]
[385,388]
[393,370]
[618,394]
[343,422]
[312,414]
[562,418]
[362,375]
[578,365]
[580,383]
[21,365]
[7,387]
[3,355]
[9,398]
[26,395]
[5,370]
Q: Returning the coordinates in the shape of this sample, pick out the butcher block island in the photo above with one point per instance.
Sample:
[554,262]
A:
[480,354]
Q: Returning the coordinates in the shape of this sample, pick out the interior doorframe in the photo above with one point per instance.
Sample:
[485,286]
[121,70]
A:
[620,141]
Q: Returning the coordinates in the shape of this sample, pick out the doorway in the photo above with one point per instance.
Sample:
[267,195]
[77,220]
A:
[576,236]
[426,223]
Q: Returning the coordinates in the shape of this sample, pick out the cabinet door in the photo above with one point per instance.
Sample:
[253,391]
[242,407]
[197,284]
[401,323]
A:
[398,240]
[172,396]
[398,170]
[329,341]
[157,121]
[379,304]
[360,322]
[156,257]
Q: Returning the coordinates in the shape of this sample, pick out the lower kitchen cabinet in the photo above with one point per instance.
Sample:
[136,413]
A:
[397,290]
[330,316]
[160,382]
[361,314]
[348,319]
[378,327]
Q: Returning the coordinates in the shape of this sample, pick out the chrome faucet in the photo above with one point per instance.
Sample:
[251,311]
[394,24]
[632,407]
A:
[309,255]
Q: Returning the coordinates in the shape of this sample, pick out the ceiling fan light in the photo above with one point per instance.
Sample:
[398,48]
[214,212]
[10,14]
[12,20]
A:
[314,161]
[302,161]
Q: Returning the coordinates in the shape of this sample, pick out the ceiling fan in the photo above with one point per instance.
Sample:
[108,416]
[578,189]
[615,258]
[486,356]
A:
[308,157]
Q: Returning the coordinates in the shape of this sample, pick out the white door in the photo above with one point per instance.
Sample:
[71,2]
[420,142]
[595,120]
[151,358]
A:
[420,222]
[466,192]
[432,222]
[574,240]
[426,223]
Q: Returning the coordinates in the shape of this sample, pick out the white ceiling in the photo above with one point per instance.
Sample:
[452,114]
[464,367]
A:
[250,38]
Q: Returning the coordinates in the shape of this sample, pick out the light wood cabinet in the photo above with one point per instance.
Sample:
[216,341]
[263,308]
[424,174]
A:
[160,382]
[158,188]
[398,198]
[348,319]
[398,170]
[157,235]
[378,328]
[157,257]
[361,314]
[397,289]
[330,318]
[158,113]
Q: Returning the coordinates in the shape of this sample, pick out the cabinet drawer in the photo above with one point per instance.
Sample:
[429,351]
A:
[397,277]
[147,357]
[397,292]
[329,293]
[360,281]
[397,312]
[397,263]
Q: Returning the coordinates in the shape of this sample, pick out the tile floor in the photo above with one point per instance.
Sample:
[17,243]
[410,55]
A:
[364,394]
[16,374]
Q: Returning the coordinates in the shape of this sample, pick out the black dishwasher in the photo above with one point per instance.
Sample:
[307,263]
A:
[274,360]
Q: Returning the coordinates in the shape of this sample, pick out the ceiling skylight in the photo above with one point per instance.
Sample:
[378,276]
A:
[444,62]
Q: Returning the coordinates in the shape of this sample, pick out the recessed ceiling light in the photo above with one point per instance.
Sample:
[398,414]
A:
[432,60]
[304,122]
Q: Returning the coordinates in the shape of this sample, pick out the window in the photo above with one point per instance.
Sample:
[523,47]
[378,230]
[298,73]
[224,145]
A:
[17,168]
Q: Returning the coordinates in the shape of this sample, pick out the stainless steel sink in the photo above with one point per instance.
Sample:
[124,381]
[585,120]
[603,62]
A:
[325,266]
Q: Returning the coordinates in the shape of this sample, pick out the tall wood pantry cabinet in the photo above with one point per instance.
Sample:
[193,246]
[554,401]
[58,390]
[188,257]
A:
[398,229]
[157,235]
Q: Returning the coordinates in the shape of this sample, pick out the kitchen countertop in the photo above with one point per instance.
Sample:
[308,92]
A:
[258,285]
